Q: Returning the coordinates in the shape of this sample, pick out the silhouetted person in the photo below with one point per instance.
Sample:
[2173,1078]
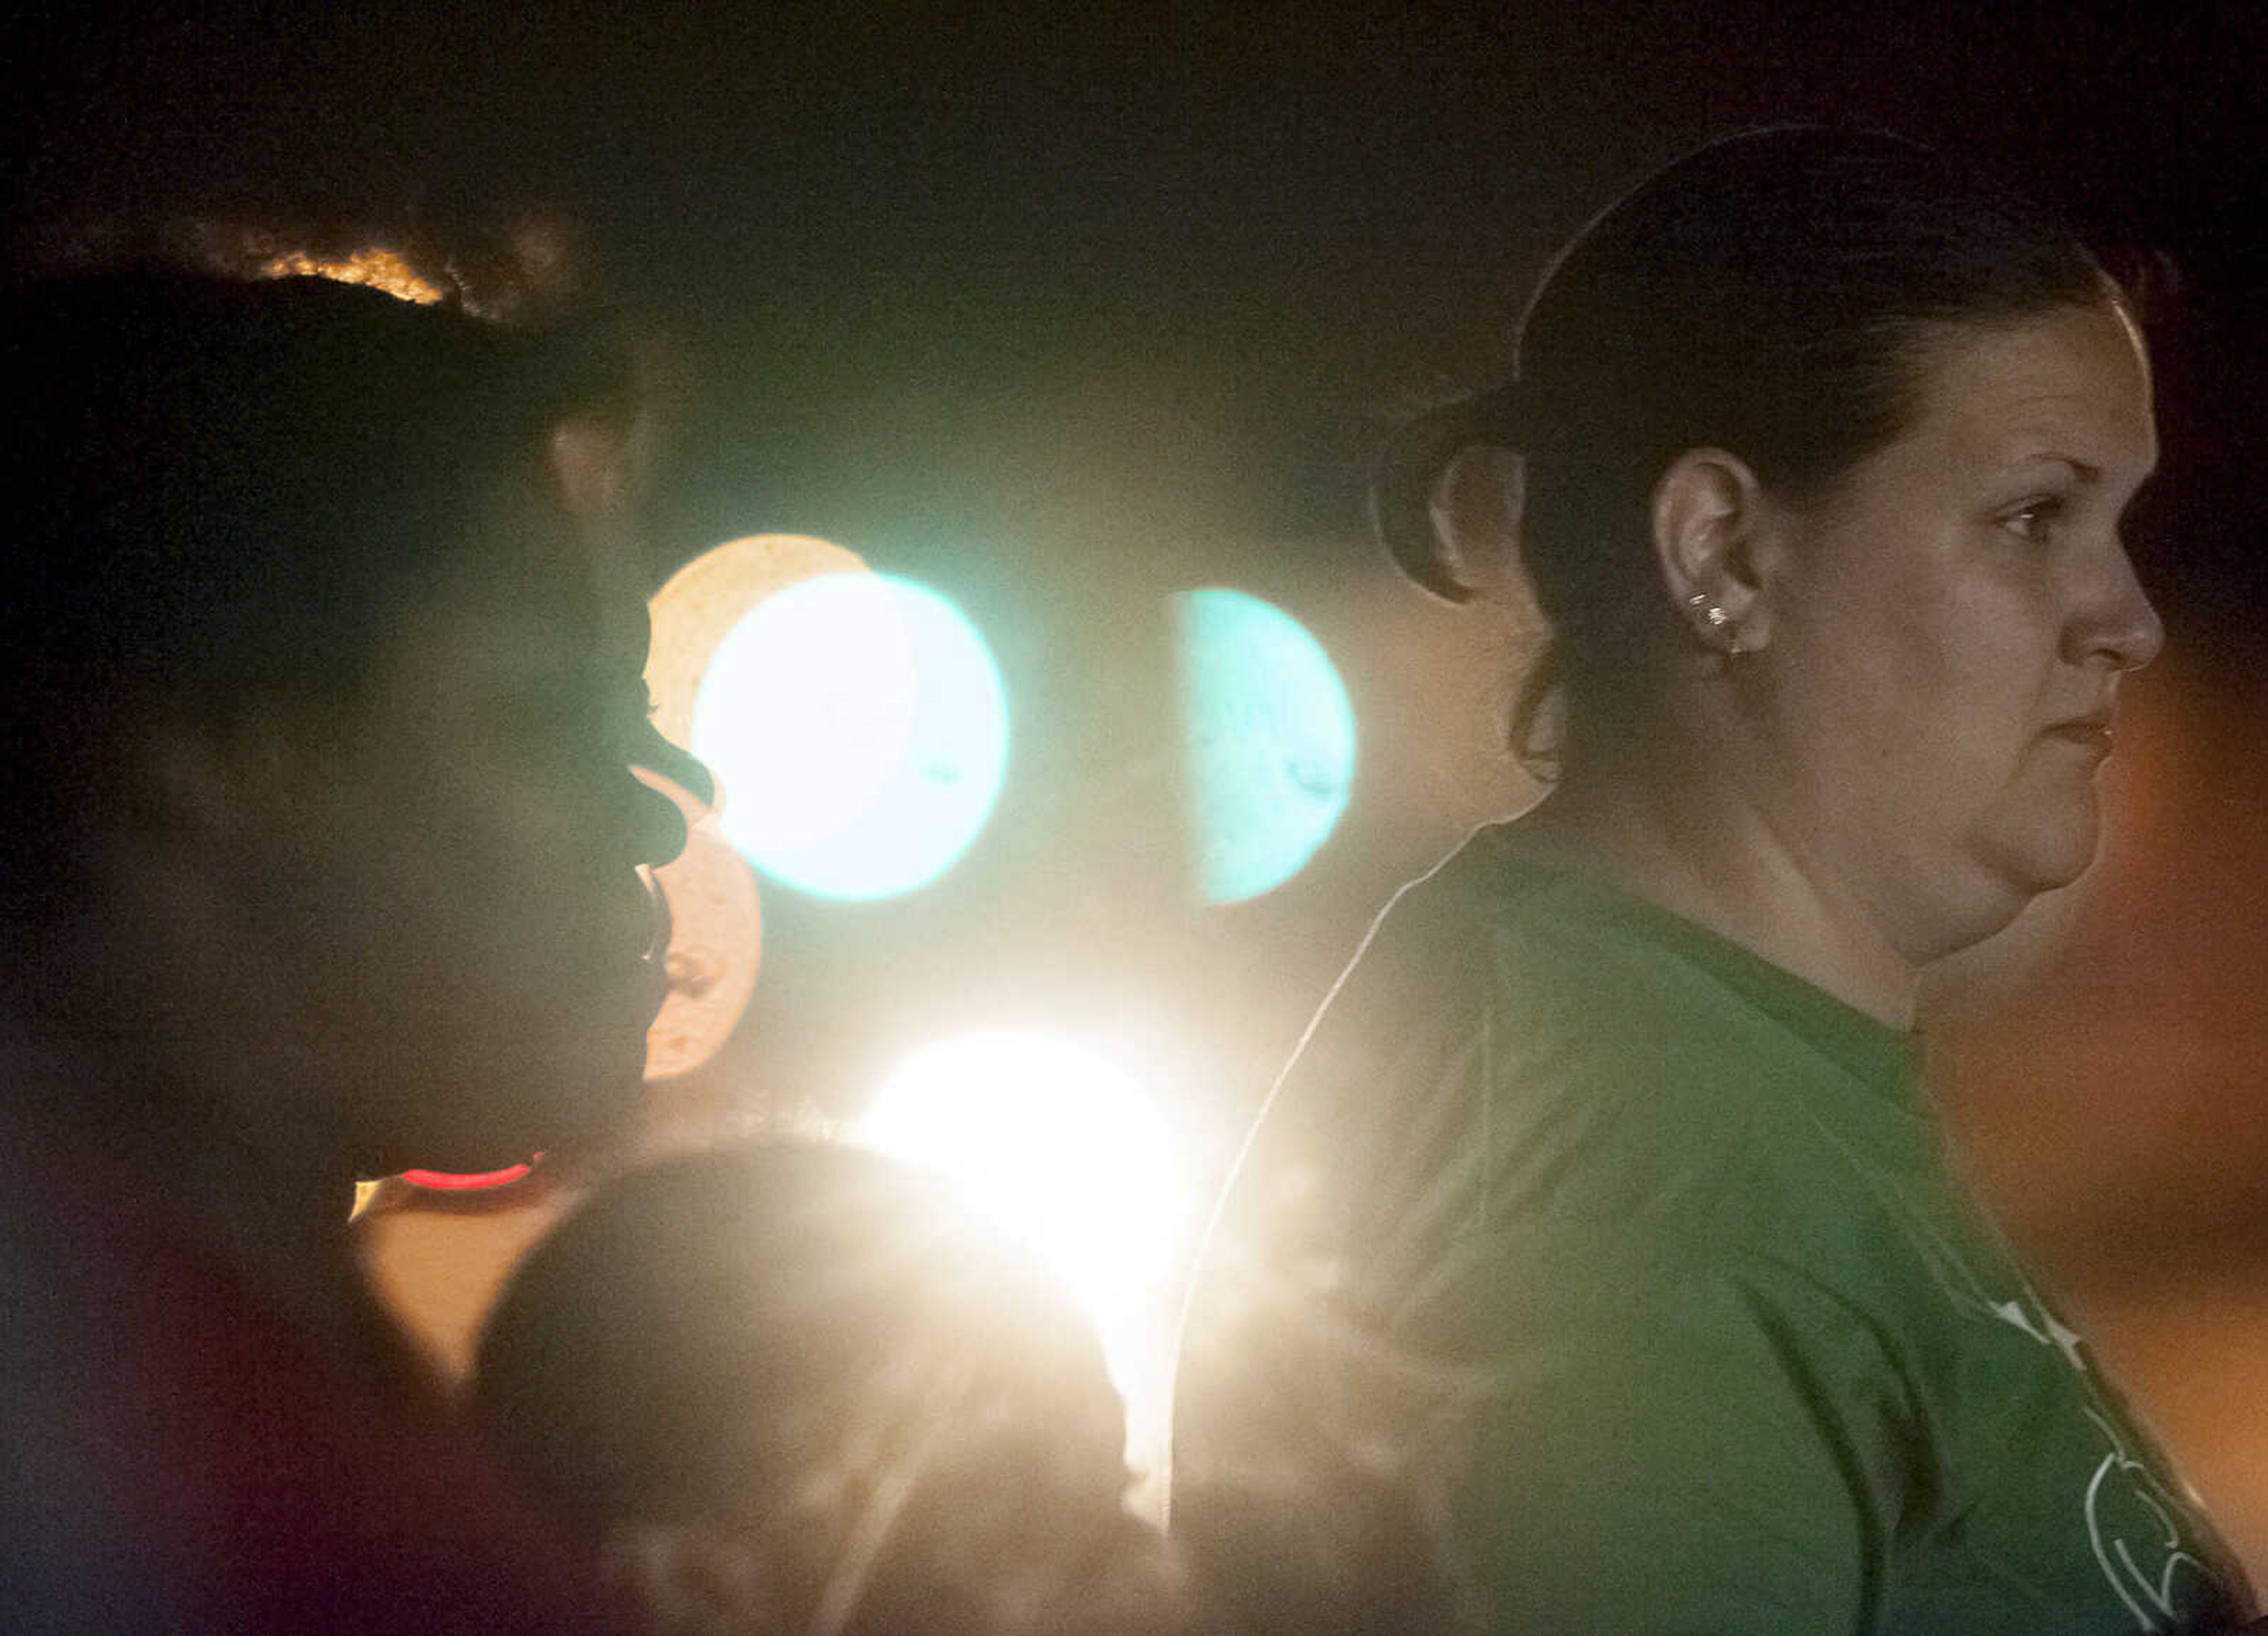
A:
[318,858]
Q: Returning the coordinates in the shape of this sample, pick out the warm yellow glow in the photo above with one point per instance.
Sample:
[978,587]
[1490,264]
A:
[1063,1151]
[710,595]
[380,269]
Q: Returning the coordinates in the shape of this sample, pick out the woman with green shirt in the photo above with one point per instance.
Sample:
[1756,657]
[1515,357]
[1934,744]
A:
[1595,1264]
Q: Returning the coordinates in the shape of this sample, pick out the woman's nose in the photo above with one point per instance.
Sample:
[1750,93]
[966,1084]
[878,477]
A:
[660,819]
[2117,621]
[657,754]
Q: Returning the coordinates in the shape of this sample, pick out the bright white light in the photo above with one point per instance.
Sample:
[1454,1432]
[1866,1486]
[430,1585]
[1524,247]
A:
[1065,1152]
[813,695]
[702,602]
[860,724]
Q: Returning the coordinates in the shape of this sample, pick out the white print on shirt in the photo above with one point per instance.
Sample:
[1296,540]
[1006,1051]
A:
[2047,1332]
[2129,1515]
[2119,1531]
[2128,1512]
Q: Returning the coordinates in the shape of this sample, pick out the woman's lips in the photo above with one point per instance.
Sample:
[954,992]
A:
[662,927]
[2090,732]
[653,973]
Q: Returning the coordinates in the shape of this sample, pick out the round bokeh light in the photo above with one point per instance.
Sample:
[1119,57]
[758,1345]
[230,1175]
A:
[858,723]
[1270,735]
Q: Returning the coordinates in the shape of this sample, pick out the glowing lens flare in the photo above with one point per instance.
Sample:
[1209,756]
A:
[1269,735]
[1063,1151]
[860,725]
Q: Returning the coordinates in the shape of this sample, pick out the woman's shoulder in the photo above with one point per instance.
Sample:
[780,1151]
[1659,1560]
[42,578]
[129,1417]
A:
[1501,910]
[1525,905]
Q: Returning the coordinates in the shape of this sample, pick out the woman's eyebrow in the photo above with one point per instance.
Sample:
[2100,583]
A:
[2084,471]
[2085,474]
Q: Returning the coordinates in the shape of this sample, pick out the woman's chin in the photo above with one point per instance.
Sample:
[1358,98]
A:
[2048,853]
[574,1097]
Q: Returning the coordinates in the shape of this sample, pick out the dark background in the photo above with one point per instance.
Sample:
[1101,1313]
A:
[1063,310]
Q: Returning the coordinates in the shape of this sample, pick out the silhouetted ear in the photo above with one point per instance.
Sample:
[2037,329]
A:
[1709,516]
[255,776]
[185,778]
[689,1577]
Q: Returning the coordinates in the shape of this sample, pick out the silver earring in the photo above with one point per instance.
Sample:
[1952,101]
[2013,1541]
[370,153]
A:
[1718,620]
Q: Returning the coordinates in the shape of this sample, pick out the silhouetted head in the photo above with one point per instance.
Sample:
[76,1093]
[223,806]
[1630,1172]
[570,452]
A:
[319,672]
[792,1388]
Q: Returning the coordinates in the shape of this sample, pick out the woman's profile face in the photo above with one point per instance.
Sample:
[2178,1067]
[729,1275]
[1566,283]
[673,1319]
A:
[462,842]
[1946,641]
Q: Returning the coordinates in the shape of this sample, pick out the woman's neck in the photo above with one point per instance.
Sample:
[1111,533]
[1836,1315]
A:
[277,1217]
[1682,839]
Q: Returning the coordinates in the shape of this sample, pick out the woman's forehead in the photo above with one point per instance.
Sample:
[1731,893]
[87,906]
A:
[2071,384]
[527,545]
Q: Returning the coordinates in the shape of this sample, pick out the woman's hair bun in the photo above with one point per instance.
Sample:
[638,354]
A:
[1409,472]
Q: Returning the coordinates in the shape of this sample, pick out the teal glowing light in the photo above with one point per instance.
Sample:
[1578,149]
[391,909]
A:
[857,723]
[1271,740]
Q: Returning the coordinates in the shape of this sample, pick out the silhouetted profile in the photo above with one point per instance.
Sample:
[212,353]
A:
[318,858]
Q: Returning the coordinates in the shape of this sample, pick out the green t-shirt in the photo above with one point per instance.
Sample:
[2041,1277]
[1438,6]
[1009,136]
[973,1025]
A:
[1587,1272]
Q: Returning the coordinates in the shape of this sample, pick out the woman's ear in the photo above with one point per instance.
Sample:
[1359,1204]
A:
[185,779]
[1710,545]
[1476,508]
[182,814]
[235,787]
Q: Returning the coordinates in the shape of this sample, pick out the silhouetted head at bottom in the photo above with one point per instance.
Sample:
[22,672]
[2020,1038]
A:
[794,1387]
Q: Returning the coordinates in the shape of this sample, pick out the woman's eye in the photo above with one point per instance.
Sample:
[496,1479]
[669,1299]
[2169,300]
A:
[2034,519]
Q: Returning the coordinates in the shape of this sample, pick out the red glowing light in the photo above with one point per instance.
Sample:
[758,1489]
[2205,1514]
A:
[459,1181]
